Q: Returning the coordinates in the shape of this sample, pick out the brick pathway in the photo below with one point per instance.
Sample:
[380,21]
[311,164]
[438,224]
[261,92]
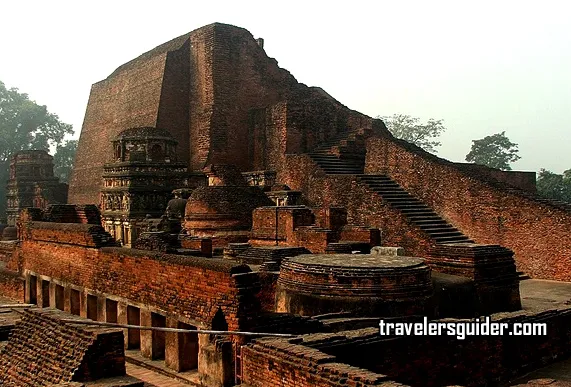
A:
[151,378]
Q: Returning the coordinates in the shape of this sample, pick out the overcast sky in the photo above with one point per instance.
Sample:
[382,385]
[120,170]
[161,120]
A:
[483,67]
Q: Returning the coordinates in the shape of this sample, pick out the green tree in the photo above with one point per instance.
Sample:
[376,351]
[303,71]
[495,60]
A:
[411,129]
[64,158]
[24,125]
[495,151]
[554,186]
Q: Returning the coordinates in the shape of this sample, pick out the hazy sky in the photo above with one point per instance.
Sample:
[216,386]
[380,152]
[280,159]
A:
[483,67]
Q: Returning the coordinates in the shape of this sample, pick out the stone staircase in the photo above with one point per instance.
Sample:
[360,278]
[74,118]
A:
[350,159]
[332,165]
[416,211]
[339,156]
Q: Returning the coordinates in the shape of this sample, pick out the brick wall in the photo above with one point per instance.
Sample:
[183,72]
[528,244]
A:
[485,210]
[12,285]
[80,234]
[7,249]
[280,364]
[180,285]
[519,179]
[346,358]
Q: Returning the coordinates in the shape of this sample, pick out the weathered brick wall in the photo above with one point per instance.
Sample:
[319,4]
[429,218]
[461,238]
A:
[332,359]
[364,207]
[7,249]
[79,234]
[519,179]
[267,293]
[186,286]
[280,364]
[538,233]
[245,78]
[43,350]
[12,285]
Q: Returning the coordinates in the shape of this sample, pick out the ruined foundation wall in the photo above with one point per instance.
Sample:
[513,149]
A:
[538,233]
[190,287]
[280,364]
[344,358]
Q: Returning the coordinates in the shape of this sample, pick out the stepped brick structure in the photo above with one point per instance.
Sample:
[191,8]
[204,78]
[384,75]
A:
[32,183]
[295,223]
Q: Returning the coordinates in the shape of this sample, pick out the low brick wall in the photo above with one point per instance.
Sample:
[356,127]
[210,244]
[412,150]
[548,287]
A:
[278,363]
[80,234]
[363,356]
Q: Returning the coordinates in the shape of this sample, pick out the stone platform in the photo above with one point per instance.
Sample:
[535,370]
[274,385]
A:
[364,284]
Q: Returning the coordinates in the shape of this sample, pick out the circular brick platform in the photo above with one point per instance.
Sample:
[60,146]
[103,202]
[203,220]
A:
[367,285]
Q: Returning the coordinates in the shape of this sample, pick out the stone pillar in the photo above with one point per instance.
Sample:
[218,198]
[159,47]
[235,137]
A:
[83,304]
[123,320]
[215,362]
[181,352]
[52,295]
[40,291]
[146,336]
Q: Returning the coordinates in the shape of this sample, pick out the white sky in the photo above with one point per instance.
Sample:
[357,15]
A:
[483,67]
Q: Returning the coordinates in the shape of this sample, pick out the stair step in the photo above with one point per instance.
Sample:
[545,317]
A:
[418,211]
[405,206]
[426,219]
[376,181]
[446,239]
[405,201]
[445,234]
[434,229]
[381,187]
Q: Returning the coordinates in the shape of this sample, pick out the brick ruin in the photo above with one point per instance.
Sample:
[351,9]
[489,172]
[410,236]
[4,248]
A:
[70,353]
[292,214]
